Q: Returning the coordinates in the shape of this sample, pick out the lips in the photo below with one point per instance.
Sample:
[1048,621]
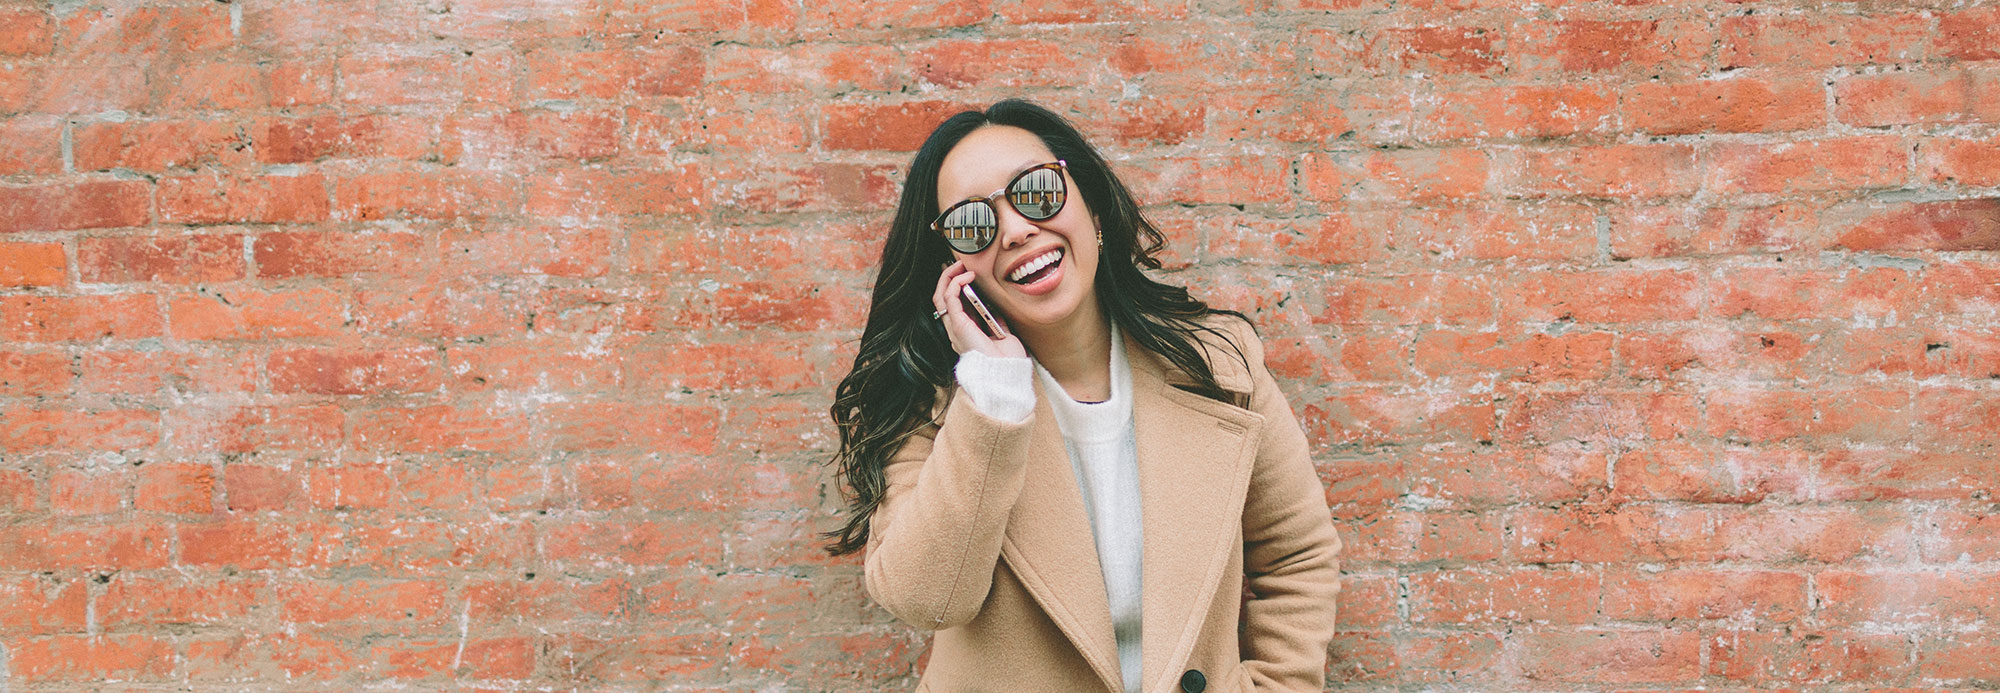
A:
[1025,272]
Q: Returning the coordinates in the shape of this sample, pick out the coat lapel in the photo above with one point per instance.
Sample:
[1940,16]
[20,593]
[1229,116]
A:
[1195,457]
[1049,545]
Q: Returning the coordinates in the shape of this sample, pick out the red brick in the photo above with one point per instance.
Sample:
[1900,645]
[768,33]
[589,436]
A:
[899,127]
[418,549]
[155,146]
[1756,596]
[133,600]
[441,486]
[337,254]
[1676,230]
[1408,300]
[150,372]
[1195,61]
[66,544]
[1971,34]
[1534,230]
[32,264]
[1953,225]
[258,488]
[378,80]
[551,599]
[1738,104]
[1775,535]
[211,85]
[134,31]
[1948,536]
[1610,657]
[354,371]
[1778,293]
[248,429]
[1900,98]
[786,305]
[645,657]
[316,138]
[1686,355]
[1733,475]
[1517,112]
[42,605]
[1027,12]
[367,601]
[89,491]
[1602,296]
[94,658]
[26,32]
[239,544]
[1446,657]
[1971,658]
[231,314]
[1368,601]
[17,492]
[766,365]
[1764,658]
[62,88]
[1362,111]
[168,259]
[610,542]
[439,429]
[1406,536]
[1612,171]
[1581,45]
[175,487]
[78,318]
[1381,415]
[1598,416]
[360,486]
[1967,162]
[614,73]
[1862,474]
[1362,657]
[34,373]
[210,199]
[1527,595]
[28,146]
[447,310]
[1934,599]
[510,366]
[86,205]
[1855,163]
[1515,357]
[593,193]
[1612,534]
[1435,50]
[306,656]
[1551,474]
[28,429]
[537,250]
[1385,176]
[427,194]
[486,139]
[1958,416]
[650,427]
[1963,289]
[1005,63]
[1815,40]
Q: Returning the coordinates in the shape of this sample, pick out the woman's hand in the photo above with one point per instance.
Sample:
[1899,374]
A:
[963,328]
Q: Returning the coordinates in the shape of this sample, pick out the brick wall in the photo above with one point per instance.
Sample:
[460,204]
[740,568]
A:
[487,343]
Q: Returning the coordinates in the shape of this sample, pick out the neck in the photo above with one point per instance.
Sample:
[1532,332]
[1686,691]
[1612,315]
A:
[1077,353]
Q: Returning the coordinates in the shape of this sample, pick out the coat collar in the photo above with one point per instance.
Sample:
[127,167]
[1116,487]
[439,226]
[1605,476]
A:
[1194,457]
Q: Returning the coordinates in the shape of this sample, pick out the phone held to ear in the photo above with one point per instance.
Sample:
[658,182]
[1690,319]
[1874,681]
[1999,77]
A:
[977,309]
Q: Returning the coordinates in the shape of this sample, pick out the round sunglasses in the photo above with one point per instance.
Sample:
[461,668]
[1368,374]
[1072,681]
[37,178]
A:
[1037,193]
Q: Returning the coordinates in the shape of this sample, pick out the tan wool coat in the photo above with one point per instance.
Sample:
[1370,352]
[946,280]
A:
[982,537]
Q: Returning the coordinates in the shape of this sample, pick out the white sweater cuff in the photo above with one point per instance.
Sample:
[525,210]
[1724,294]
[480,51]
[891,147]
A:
[1001,387]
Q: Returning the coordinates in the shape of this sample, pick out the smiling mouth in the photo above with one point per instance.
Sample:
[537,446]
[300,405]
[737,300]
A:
[1034,270]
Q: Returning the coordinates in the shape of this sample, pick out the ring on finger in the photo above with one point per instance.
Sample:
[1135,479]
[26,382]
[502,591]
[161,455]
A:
[939,315]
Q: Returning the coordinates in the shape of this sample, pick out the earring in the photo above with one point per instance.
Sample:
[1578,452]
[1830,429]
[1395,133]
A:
[1100,238]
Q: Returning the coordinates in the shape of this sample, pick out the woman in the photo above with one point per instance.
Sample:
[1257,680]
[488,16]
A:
[1107,492]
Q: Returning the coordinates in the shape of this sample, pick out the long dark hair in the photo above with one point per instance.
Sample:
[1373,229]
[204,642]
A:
[905,357]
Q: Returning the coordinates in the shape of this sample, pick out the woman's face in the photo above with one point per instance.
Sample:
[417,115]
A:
[1065,290]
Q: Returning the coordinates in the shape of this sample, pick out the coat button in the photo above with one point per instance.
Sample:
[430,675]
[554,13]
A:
[1193,682]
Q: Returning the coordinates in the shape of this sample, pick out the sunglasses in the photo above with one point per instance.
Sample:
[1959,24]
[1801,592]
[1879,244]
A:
[1037,193]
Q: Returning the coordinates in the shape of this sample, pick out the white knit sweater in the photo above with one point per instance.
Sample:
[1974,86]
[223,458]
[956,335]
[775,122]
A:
[1102,453]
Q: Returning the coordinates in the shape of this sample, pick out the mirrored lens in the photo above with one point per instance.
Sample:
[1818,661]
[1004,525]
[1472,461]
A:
[1038,194]
[970,226]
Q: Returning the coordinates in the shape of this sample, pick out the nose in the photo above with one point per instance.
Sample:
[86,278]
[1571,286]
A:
[1014,228]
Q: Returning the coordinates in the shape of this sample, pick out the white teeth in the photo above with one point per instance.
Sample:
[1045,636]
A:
[1035,265]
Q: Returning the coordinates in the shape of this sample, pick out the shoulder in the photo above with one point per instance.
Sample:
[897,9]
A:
[1233,350]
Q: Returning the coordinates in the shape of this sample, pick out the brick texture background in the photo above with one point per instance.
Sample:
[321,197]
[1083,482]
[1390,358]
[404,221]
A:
[442,344]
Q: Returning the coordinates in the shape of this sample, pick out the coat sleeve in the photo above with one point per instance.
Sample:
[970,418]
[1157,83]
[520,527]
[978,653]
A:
[1291,554]
[935,539]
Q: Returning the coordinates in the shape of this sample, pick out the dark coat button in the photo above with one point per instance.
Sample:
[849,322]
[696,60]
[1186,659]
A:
[1193,682]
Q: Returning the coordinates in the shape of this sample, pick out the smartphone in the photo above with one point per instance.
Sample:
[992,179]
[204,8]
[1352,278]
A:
[977,308]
